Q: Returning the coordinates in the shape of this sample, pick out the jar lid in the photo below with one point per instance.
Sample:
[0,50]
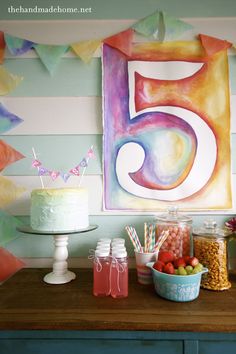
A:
[211,230]
[173,216]
[119,253]
[102,252]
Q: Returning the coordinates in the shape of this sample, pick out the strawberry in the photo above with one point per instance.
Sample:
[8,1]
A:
[159,266]
[186,258]
[179,262]
[166,256]
[169,268]
[193,261]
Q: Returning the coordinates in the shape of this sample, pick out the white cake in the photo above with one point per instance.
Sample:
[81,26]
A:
[62,209]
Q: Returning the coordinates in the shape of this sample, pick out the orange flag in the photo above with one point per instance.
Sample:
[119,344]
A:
[9,264]
[8,155]
[213,45]
[2,47]
[121,41]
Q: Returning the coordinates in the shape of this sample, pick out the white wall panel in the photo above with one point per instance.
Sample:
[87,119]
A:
[95,186]
[53,115]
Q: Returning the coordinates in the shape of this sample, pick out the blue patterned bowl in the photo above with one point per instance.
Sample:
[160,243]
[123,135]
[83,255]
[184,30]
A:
[179,288]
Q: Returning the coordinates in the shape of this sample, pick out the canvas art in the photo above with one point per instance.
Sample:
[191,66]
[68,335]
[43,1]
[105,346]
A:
[166,128]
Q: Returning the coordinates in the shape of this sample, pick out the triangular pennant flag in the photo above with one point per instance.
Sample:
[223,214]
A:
[86,49]
[83,163]
[213,45]
[121,41]
[8,120]
[148,26]
[9,192]
[17,46]
[174,27]
[8,81]
[54,175]
[65,176]
[8,224]
[75,171]
[50,55]
[9,264]
[90,154]
[36,163]
[8,155]
[2,46]
[42,171]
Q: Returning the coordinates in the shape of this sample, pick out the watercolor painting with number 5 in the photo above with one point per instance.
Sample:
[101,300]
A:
[166,120]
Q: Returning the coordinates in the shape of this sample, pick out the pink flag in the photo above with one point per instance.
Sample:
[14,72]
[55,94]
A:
[54,174]
[36,163]
[75,171]
[91,154]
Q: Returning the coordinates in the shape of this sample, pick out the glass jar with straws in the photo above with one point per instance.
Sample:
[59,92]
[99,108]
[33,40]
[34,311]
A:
[179,227]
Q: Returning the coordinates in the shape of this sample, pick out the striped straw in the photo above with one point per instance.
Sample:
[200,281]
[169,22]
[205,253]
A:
[161,240]
[134,238]
[146,237]
[149,242]
[153,237]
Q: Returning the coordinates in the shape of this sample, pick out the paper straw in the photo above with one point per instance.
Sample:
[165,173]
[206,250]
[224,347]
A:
[149,241]
[35,157]
[153,236]
[134,238]
[146,237]
[161,240]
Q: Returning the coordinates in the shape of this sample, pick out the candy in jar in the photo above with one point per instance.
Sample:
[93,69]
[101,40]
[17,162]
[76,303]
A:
[179,227]
[211,248]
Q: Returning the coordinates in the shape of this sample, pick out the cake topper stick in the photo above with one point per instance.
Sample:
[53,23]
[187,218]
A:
[35,157]
[84,162]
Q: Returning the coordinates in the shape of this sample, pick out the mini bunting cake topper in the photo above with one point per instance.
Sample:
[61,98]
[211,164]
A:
[75,171]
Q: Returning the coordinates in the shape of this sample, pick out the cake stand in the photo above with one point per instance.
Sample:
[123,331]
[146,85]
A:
[60,273]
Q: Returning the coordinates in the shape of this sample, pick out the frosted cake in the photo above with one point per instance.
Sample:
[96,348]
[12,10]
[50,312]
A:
[62,209]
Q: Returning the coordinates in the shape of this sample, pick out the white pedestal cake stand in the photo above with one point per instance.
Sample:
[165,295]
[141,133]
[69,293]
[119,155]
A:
[60,273]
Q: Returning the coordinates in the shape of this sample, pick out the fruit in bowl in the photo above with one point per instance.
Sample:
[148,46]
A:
[177,284]
[168,264]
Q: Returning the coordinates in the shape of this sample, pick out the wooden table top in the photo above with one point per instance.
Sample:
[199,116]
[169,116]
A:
[26,302]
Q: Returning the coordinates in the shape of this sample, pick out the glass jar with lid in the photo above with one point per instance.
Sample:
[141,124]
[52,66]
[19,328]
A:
[179,227]
[211,248]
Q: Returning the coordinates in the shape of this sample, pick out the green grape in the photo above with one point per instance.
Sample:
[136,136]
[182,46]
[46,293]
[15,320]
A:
[189,269]
[182,271]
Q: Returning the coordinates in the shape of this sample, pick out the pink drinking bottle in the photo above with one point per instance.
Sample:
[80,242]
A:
[101,272]
[119,274]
